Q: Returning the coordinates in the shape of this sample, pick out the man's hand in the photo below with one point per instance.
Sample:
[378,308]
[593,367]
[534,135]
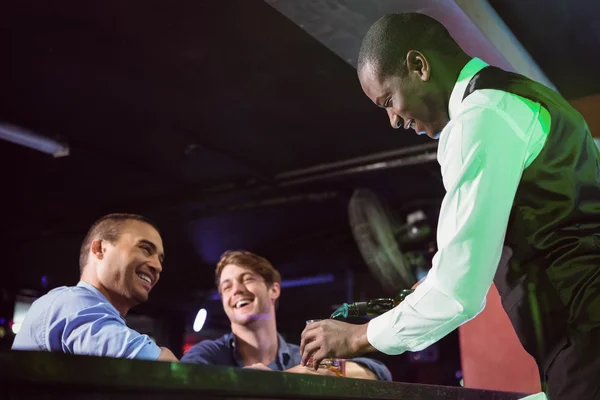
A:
[166,355]
[258,366]
[299,369]
[357,371]
[333,339]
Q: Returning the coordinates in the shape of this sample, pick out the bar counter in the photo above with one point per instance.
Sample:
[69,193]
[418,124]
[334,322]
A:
[40,375]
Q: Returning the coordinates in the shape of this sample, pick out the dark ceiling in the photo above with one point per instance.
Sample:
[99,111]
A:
[196,114]
[208,117]
[191,95]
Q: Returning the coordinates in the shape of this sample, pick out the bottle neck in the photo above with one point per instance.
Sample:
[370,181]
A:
[370,308]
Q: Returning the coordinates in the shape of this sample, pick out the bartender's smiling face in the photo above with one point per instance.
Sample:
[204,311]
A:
[411,98]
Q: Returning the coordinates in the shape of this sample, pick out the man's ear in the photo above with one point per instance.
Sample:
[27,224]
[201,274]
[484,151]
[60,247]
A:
[417,63]
[275,291]
[98,249]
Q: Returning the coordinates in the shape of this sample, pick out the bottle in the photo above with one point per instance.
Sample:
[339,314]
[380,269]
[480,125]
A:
[371,308]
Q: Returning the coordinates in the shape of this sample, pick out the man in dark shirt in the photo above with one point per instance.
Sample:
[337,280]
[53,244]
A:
[250,288]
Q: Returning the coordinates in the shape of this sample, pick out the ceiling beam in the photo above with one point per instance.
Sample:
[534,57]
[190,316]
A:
[501,37]
[341,24]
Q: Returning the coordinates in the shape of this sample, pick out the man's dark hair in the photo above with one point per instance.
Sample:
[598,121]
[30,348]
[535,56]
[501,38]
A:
[388,40]
[107,228]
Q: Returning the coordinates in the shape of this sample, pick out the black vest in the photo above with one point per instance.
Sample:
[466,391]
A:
[552,282]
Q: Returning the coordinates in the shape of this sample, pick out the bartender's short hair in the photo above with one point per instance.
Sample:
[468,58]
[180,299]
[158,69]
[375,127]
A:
[389,39]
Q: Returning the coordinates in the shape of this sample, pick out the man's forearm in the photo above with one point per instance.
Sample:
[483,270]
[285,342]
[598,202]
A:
[358,371]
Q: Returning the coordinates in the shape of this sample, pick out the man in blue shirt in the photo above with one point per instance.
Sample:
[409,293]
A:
[250,288]
[120,262]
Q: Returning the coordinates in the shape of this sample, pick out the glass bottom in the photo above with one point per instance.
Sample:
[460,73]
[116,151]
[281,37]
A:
[335,365]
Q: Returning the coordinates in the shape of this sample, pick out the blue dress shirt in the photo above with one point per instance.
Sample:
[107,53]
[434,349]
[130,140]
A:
[222,352]
[80,320]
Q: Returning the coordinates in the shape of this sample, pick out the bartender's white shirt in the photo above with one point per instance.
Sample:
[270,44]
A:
[491,138]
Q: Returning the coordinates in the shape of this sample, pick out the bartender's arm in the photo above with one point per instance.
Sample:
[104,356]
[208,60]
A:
[482,155]
[482,159]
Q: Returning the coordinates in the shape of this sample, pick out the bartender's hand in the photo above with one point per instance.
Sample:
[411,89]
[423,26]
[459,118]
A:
[333,339]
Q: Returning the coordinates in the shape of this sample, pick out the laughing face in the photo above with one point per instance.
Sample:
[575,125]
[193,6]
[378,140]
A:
[246,296]
[412,100]
[131,266]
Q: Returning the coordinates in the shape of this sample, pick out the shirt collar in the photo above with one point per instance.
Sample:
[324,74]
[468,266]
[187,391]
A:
[466,74]
[98,293]
[91,288]
[283,351]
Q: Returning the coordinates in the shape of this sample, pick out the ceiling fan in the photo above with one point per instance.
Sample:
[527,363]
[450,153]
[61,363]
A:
[383,239]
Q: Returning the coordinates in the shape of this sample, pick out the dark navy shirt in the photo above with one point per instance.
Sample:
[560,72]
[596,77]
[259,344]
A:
[222,352]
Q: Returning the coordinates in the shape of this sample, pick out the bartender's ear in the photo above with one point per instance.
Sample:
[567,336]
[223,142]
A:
[418,65]
[275,291]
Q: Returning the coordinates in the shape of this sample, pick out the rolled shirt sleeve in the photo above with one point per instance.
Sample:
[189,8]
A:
[208,352]
[96,331]
[80,320]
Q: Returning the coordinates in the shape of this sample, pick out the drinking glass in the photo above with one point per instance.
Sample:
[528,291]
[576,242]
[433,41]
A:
[335,365]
